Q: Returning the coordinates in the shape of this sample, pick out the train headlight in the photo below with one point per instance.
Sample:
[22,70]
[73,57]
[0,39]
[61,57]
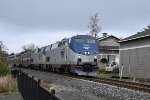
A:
[79,57]
[95,57]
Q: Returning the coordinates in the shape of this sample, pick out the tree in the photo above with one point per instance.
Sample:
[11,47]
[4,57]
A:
[3,52]
[93,26]
[29,47]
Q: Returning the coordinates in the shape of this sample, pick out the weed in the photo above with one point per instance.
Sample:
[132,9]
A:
[4,70]
[8,84]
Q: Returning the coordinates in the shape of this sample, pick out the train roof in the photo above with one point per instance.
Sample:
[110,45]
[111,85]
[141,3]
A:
[82,36]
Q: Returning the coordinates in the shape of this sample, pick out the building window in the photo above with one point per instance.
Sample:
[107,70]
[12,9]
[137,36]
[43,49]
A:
[103,61]
[47,59]
[31,59]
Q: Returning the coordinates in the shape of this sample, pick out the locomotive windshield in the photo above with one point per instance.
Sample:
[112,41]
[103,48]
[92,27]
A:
[90,41]
[77,40]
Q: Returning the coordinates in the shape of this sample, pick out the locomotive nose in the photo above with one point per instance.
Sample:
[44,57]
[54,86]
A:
[87,68]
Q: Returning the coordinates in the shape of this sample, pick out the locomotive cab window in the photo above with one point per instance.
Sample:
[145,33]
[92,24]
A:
[90,40]
[79,40]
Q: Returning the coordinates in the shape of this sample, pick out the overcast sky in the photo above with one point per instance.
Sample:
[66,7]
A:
[43,22]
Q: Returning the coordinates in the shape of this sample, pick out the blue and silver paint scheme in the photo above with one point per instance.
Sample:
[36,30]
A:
[77,54]
[83,52]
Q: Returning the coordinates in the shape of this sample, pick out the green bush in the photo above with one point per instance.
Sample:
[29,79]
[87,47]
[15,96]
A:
[102,72]
[4,70]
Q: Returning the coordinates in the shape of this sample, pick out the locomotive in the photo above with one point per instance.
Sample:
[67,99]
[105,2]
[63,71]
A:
[75,55]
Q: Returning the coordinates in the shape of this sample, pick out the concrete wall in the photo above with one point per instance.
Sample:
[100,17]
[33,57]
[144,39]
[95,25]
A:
[135,57]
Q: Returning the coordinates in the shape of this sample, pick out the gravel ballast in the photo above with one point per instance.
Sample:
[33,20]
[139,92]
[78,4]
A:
[63,84]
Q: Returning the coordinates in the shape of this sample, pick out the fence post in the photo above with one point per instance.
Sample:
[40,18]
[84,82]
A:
[38,84]
[18,81]
[33,77]
[26,86]
[52,93]
[31,96]
[39,81]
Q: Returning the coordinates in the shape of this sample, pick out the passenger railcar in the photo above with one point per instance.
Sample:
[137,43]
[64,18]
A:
[13,60]
[77,55]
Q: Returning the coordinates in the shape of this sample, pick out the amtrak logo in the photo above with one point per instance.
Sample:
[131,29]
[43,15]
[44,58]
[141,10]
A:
[86,48]
[62,53]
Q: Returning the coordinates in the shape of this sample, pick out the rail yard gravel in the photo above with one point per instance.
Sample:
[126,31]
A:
[79,89]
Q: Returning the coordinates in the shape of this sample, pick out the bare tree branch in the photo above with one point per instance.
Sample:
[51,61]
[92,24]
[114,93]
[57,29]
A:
[29,47]
[3,52]
[93,26]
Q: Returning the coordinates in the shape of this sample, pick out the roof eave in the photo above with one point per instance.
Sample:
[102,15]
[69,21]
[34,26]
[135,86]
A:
[107,37]
[134,38]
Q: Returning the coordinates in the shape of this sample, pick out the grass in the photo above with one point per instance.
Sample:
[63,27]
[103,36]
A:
[103,73]
[8,84]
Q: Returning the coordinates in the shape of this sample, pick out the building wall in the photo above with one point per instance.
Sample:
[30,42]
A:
[110,41]
[111,52]
[135,57]
[135,43]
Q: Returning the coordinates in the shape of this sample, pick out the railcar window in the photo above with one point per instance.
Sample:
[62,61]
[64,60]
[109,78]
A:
[80,40]
[54,46]
[59,44]
[36,50]
[39,49]
[42,49]
[64,43]
[11,57]
[47,59]
[48,48]
[90,40]
[31,59]
[17,55]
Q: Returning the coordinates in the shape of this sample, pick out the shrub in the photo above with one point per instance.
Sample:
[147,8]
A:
[8,84]
[4,70]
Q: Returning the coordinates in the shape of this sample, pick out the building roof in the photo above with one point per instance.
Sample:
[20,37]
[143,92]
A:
[142,34]
[101,38]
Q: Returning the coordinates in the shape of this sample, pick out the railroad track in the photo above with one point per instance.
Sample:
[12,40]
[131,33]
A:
[124,84]
[114,82]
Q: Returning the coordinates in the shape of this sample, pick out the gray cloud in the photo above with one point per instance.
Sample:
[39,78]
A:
[118,17]
[75,14]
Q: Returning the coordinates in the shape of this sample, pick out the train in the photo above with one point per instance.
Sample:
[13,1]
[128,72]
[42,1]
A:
[75,55]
